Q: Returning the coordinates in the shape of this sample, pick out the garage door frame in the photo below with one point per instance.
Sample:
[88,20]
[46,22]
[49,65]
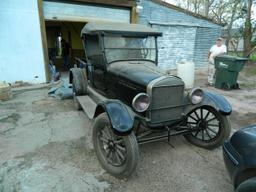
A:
[129,4]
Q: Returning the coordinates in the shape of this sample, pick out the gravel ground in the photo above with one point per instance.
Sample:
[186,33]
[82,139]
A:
[45,145]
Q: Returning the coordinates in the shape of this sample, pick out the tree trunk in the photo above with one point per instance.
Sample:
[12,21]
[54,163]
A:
[207,5]
[229,32]
[248,30]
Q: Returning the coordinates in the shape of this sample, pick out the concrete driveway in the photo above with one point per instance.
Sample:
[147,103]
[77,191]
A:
[45,145]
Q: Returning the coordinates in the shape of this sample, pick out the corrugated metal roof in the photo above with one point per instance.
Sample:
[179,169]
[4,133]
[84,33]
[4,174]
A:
[120,28]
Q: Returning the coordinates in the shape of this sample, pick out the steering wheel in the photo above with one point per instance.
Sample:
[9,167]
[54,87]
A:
[144,53]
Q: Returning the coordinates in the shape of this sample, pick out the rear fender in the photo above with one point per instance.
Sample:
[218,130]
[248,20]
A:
[120,117]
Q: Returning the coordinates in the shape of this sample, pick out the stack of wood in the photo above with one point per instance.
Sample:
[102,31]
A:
[5,91]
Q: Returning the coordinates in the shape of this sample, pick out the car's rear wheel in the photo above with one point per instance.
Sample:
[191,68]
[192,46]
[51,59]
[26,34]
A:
[248,185]
[118,155]
[210,128]
[79,81]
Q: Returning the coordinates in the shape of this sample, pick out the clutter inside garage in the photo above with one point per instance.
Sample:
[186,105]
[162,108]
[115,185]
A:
[64,43]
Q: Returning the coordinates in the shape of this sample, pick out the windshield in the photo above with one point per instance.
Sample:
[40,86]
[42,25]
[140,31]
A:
[129,48]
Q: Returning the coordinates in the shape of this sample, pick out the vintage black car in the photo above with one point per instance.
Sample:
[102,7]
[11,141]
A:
[133,101]
[240,159]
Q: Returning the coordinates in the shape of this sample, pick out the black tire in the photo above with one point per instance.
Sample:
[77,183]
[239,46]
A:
[79,81]
[118,155]
[236,86]
[226,86]
[248,185]
[210,127]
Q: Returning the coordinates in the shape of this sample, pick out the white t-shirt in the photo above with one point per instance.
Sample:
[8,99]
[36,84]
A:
[215,51]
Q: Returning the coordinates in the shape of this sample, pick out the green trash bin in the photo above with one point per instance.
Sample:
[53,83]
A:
[227,70]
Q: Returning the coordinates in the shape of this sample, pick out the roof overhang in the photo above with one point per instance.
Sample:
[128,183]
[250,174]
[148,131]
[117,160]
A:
[119,28]
[120,3]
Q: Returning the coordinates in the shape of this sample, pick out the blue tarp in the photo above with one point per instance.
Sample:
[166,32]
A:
[64,91]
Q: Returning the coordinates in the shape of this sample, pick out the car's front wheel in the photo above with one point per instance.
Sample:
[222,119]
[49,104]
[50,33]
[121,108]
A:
[209,127]
[118,155]
[247,186]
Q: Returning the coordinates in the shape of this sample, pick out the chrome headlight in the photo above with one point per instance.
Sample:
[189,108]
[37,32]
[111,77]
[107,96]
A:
[141,102]
[196,96]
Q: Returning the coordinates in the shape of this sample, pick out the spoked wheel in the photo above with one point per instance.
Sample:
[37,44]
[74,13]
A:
[118,155]
[210,128]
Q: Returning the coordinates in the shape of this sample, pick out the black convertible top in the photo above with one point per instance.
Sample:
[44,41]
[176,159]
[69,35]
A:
[119,28]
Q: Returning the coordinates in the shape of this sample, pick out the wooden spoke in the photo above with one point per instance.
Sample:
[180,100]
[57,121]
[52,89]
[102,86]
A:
[104,139]
[197,115]
[206,116]
[211,119]
[197,133]
[119,160]
[207,132]
[213,125]
[121,155]
[120,148]
[212,130]
[193,117]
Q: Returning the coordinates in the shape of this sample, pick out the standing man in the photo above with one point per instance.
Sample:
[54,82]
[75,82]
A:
[217,49]
[66,53]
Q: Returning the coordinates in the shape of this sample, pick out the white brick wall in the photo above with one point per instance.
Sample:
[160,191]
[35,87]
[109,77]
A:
[190,38]
[176,44]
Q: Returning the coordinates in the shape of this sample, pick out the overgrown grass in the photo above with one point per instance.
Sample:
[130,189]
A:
[253,57]
[248,75]
[247,85]
[240,54]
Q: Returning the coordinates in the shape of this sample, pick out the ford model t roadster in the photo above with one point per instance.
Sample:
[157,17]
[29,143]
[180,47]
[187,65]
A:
[132,101]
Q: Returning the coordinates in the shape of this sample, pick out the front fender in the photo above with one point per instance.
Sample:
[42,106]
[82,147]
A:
[214,100]
[120,118]
[217,101]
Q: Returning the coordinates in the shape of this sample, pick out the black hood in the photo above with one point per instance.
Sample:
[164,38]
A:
[140,72]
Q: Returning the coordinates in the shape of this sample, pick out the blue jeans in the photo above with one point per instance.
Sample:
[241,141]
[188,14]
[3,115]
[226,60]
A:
[66,59]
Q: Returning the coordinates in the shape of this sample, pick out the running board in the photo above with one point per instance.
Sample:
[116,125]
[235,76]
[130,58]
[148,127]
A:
[88,105]
[89,102]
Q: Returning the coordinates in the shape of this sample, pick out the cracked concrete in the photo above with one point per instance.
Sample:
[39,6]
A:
[45,145]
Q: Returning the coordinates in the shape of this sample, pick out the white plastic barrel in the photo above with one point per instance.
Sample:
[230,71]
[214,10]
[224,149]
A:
[186,71]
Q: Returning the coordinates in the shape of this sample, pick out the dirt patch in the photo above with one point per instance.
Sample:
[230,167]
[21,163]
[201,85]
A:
[47,146]
[57,166]
[12,118]
[242,120]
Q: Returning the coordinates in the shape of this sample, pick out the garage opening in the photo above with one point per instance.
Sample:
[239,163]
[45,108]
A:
[65,19]
[64,43]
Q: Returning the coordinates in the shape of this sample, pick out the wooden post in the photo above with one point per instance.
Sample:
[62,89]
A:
[44,39]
